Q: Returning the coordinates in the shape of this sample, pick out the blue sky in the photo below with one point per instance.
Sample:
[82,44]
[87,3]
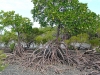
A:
[93,5]
[23,7]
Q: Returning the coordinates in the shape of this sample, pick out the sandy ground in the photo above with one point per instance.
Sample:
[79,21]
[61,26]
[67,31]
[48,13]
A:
[64,70]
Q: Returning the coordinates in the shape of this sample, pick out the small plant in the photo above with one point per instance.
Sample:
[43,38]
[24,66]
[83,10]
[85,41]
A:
[74,39]
[80,38]
[83,37]
[95,42]
[12,47]
[98,32]
[2,57]
[98,50]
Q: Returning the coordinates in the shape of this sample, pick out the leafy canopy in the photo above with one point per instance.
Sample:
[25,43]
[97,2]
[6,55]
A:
[70,14]
[15,21]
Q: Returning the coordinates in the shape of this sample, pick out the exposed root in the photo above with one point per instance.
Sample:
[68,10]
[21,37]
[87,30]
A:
[53,54]
[18,50]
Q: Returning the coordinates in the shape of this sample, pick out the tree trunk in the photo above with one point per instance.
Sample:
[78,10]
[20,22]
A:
[58,32]
[19,48]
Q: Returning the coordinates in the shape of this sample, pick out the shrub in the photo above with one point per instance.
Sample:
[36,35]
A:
[95,42]
[12,46]
[98,32]
[98,50]
[80,38]
[83,37]
[2,57]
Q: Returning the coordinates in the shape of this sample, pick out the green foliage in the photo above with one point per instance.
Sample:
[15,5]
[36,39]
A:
[29,37]
[17,23]
[39,39]
[67,42]
[49,35]
[20,26]
[12,46]
[72,15]
[80,38]
[46,35]
[98,50]
[95,42]
[74,39]
[8,37]
[2,56]
[5,40]
[98,32]
[83,37]
[91,33]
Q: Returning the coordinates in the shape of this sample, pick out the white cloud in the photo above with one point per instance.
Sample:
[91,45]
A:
[17,5]
[22,7]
